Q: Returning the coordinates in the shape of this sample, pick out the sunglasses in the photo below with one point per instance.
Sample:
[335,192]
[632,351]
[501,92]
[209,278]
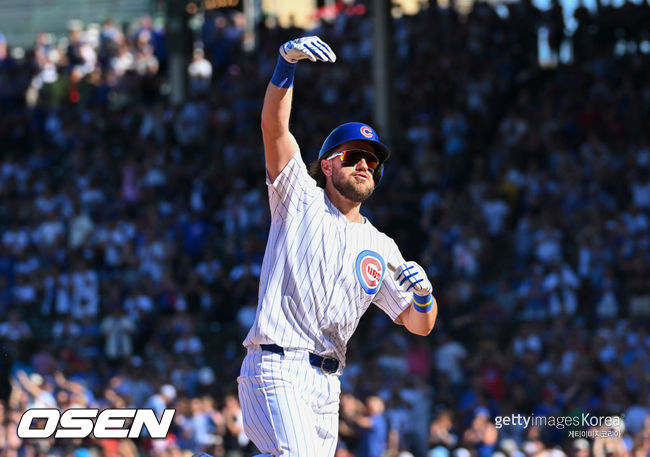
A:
[350,157]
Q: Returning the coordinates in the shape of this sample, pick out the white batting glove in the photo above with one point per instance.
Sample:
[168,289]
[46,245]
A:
[411,278]
[311,47]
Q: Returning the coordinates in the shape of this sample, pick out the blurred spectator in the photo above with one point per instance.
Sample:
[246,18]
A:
[234,439]
[117,329]
[350,410]
[3,48]
[441,431]
[200,73]
[39,391]
[159,401]
[449,355]
[530,184]
[482,434]
[373,429]
[15,330]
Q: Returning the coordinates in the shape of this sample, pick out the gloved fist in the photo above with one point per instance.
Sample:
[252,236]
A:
[311,47]
[411,278]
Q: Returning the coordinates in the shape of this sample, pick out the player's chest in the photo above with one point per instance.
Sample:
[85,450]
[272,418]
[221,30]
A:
[354,261]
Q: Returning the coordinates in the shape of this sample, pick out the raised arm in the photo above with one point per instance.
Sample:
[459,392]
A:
[279,143]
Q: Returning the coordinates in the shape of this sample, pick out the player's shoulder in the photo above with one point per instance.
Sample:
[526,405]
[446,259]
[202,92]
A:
[294,166]
[300,169]
[294,172]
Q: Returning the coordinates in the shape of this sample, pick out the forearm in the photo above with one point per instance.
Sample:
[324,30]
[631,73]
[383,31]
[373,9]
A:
[276,111]
[420,319]
[27,385]
[279,145]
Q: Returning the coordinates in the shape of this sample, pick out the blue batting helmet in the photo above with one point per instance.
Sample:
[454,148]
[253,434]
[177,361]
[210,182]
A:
[356,131]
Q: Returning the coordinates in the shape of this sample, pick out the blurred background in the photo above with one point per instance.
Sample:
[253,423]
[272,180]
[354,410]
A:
[133,216]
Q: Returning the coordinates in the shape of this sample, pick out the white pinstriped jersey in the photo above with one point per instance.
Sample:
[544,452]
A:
[320,272]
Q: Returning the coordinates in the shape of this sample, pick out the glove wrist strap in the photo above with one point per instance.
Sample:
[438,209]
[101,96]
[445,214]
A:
[283,75]
[423,304]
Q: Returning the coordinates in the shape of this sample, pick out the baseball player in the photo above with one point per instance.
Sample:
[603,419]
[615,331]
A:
[324,265]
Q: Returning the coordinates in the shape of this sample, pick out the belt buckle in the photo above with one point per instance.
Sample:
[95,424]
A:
[322,365]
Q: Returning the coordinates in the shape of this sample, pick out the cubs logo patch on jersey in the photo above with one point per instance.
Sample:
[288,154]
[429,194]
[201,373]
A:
[370,268]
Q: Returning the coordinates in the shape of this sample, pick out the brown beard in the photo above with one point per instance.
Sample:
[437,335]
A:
[349,190]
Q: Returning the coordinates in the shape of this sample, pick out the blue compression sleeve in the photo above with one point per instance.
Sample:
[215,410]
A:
[283,75]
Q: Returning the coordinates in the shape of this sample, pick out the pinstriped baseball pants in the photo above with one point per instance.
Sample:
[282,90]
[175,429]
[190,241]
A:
[290,408]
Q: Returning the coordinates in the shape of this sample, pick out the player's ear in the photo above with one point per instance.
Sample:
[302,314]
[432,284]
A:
[326,166]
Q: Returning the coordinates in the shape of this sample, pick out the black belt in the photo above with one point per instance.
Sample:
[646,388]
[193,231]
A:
[326,364]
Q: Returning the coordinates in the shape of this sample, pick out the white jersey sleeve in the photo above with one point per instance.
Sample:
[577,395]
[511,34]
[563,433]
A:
[390,298]
[292,190]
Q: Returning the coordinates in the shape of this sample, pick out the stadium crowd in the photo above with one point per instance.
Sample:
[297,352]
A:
[132,232]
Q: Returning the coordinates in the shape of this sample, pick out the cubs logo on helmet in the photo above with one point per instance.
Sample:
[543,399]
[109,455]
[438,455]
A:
[366,131]
[370,268]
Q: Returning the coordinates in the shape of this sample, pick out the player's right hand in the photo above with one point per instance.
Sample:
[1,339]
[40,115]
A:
[311,47]
[411,277]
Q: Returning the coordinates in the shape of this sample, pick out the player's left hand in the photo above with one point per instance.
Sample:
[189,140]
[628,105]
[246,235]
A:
[311,47]
[411,278]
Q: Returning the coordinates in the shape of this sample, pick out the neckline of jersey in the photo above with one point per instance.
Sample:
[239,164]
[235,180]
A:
[339,214]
